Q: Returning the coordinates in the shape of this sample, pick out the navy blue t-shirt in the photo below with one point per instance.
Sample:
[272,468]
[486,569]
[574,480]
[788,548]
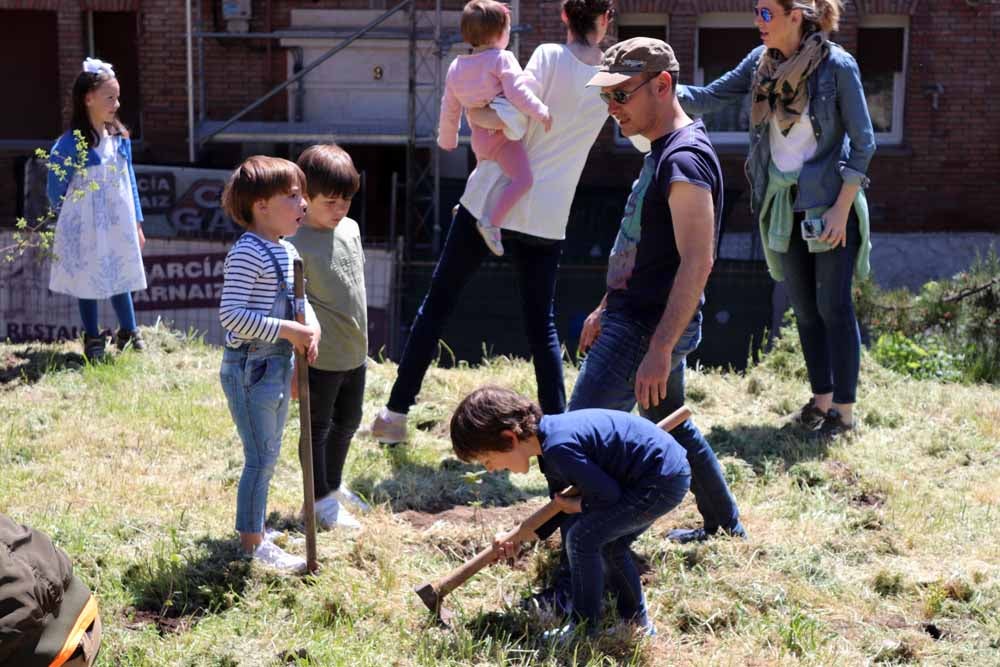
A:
[644,259]
[604,452]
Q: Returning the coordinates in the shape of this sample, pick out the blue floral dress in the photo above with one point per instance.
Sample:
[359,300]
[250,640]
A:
[96,247]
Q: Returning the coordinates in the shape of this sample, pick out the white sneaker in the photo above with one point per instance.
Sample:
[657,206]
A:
[330,514]
[282,539]
[347,497]
[271,555]
[491,236]
[389,427]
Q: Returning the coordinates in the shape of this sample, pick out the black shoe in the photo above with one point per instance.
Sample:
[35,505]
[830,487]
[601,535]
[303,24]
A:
[809,416]
[833,425]
[689,535]
[93,347]
[134,338]
[557,599]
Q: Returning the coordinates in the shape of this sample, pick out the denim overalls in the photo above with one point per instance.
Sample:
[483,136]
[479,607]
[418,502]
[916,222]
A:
[256,378]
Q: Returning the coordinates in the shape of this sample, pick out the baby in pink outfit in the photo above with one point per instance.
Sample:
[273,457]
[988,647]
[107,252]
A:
[473,81]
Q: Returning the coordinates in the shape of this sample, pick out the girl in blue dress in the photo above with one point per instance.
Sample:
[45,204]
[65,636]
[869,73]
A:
[98,237]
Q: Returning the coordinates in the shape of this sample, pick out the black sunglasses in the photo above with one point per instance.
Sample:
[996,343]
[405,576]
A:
[620,96]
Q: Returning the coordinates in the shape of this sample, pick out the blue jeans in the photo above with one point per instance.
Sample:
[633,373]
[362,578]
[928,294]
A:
[607,380]
[597,544]
[819,287]
[122,303]
[536,262]
[256,379]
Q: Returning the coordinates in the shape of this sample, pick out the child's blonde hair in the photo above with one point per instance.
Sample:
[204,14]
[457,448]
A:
[329,171]
[259,177]
[483,21]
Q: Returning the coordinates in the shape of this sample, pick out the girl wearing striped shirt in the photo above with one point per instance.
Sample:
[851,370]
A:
[264,195]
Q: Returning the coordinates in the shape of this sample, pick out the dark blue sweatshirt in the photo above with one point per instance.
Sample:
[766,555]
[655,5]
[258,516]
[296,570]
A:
[603,452]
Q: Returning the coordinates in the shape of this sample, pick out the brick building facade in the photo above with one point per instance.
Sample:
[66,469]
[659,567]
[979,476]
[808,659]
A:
[938,171]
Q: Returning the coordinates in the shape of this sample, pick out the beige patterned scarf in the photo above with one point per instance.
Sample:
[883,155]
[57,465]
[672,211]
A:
[779,87]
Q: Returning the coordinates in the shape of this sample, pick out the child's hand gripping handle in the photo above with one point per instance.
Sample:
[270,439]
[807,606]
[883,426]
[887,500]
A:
[524,532]
[301,378]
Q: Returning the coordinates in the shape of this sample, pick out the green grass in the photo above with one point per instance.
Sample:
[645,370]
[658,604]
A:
[877,549]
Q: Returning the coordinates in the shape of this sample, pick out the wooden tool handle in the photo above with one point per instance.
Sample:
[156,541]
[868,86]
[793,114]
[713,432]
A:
[675,418]
[305,426]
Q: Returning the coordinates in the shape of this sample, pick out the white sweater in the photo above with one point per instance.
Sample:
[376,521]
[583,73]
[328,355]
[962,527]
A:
[556,157]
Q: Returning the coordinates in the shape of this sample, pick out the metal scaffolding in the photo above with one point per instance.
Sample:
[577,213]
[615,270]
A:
[428,46]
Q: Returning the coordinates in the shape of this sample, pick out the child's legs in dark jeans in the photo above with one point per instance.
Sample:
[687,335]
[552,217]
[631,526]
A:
[335,400]
[597,543]
[463,252]
[536,263]
[819,287]
[122,303]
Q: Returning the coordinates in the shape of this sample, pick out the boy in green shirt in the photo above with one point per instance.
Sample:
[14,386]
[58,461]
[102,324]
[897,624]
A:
[334,269]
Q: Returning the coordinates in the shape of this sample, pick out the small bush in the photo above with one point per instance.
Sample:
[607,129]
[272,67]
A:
[951,327]
[928,359]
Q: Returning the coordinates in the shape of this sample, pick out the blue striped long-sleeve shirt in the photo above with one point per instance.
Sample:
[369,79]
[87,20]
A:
[250,286]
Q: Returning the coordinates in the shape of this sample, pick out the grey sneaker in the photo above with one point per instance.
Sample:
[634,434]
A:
[491,235]
[389,429]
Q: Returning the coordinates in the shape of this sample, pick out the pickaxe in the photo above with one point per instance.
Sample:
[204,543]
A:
[432,593]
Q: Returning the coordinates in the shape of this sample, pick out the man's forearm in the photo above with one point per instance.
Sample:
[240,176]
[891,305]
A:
[685,294]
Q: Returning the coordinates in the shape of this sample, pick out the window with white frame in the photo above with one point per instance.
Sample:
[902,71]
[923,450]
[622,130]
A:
[639,24]
[883,43]
[723,40]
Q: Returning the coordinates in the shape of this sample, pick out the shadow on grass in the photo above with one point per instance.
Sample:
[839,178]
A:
[31,365]
[761,446]
[422,487]
[180,583]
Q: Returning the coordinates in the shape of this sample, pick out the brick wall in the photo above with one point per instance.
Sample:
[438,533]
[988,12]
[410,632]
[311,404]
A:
[946,176]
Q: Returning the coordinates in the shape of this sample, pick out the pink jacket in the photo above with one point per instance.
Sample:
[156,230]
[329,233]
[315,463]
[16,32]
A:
[474,80]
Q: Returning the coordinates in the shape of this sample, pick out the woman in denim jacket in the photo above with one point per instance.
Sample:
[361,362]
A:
[811,140]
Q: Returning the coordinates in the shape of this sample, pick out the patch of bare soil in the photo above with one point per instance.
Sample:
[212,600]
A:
[165,625]
[492,519]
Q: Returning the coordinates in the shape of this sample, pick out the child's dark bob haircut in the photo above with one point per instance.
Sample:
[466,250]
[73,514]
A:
[484,414]
[483,21]
[329,172]
[259,177]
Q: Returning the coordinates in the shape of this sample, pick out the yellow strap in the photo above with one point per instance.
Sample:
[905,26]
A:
[83,621]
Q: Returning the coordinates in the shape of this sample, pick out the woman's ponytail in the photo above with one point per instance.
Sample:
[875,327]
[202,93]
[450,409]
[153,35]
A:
[821,15]
[582,15]
[828,15]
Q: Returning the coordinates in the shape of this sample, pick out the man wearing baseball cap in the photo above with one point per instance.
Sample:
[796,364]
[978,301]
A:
[649,320]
